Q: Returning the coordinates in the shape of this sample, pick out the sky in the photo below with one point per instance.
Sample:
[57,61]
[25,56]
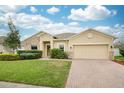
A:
[55,19]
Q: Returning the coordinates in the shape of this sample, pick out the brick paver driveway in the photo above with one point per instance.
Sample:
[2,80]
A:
[95,73]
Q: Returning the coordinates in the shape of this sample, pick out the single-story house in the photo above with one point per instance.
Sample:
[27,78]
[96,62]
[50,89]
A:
[3,49]
[89,44]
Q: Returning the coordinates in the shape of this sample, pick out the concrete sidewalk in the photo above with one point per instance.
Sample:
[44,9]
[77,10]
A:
[55,59]
[17,85]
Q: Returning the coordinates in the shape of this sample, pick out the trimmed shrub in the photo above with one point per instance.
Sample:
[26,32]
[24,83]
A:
[29,51]
[29,54]
[59,54]
[9,57]
[121,51]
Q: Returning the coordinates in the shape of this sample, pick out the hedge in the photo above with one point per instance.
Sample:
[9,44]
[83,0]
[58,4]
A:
[29,51]
[9,57]
[29,54]
[59,54]
[121,51]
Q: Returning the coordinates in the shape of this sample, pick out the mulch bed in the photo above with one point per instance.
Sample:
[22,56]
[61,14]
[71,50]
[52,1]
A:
[120,62]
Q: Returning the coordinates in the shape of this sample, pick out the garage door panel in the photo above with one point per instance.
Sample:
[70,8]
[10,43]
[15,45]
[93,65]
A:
[91,51]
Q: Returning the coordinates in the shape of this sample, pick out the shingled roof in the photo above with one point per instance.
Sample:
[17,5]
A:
[64,35]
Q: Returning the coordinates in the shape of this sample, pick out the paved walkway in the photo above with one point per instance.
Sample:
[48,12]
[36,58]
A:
[17,85]
[55,59]
[95,74]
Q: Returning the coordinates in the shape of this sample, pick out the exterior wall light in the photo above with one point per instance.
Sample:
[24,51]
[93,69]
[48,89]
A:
[111,47]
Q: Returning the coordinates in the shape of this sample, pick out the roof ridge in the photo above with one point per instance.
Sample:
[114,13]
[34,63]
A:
[33,35]
[91,29]
[64,35]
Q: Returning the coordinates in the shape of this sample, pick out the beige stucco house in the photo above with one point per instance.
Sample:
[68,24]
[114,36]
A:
[89,44]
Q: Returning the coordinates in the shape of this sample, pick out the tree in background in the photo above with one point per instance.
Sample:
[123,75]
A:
[12,39]
[119,44]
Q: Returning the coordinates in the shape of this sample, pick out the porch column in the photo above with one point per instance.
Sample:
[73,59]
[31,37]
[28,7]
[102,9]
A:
[41,45]
[51,44]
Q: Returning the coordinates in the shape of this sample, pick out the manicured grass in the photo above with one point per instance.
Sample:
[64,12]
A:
[119,58]
[35,72]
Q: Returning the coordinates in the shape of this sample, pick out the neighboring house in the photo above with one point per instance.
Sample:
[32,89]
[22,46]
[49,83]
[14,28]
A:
[3,49]
[89,44]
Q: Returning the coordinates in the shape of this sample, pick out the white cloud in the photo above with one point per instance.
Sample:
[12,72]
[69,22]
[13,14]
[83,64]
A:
[31,19]
[53,10]
[11,8]
[73,24]
[56,28]
[33,9]
[3,32]
[24,20]
[25,36]
[53,28]
[2,19]
[116,30]
[92,12]
[41,23]
[35,23]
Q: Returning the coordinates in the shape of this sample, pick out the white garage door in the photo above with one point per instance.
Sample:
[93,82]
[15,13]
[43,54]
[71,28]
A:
[91,51]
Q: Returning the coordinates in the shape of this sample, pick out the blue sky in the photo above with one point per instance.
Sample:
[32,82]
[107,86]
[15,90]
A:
[63,18]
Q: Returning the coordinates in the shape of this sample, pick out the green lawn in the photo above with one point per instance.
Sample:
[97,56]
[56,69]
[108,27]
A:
[119,58]
[35,72]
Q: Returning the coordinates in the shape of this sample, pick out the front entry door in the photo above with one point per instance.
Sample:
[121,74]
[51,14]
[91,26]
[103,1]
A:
[48,50]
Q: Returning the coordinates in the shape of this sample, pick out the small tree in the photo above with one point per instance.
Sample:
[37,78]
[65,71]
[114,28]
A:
[12,40]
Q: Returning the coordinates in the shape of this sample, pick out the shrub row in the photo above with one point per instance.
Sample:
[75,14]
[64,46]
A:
[29,51]
[9,57]
[29,54]
[33,54]
[59,54]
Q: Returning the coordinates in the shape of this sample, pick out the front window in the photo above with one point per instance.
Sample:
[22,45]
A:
[34,47]
[61,47]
